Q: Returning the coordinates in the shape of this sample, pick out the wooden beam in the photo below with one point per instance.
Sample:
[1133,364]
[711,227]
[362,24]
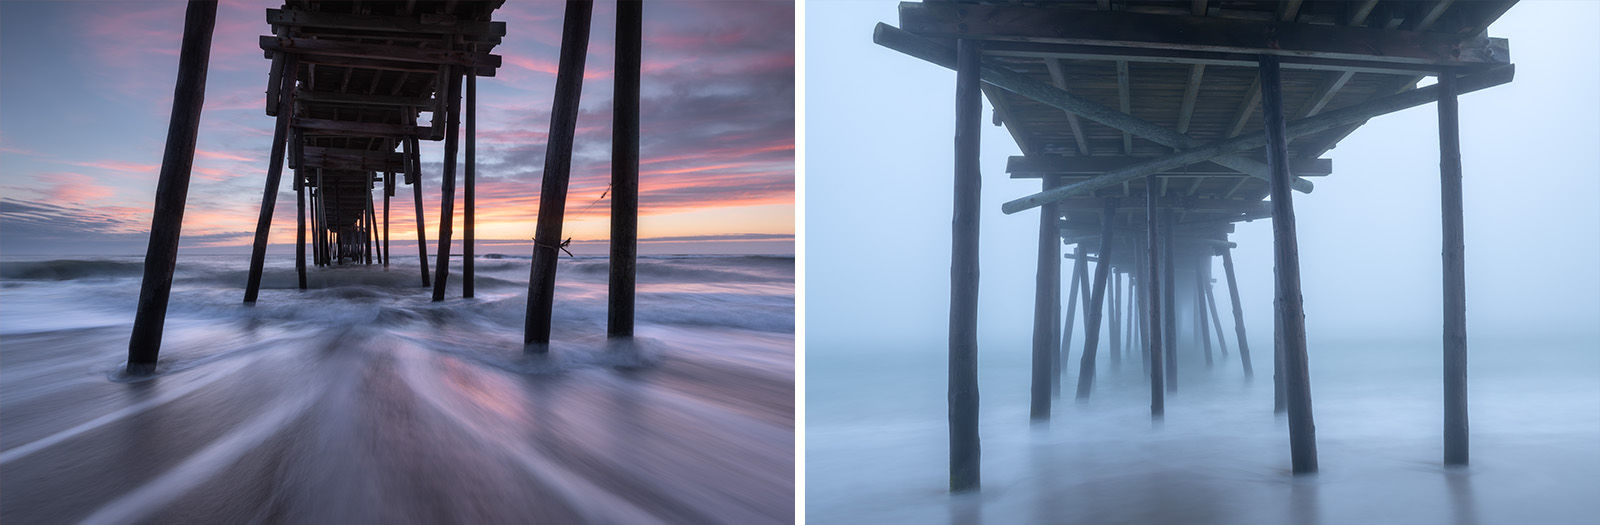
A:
[360,129]
[1169,298]
[1197,72]
[1359,12]
[1288,10]
[469,200]
[1238,312]
[1080,263]
[1297,380]
[1002,111]
[1207,58]
[414,156]
[436,24]
[963,331]
[336,48]
[1302,127]
[925,49]
[358,99]
[1059,77]
[1334,81]
[1430,14]
[1125,102]
[1021,166]
[1197,8]
[172,189]
[447,188]
[1189,33]
[1247,107]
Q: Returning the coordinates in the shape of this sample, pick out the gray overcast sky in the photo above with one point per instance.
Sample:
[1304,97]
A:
[878,197]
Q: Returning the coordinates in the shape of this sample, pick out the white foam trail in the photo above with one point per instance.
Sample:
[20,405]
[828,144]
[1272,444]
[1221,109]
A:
[137,505]
[217,374]
[597,505]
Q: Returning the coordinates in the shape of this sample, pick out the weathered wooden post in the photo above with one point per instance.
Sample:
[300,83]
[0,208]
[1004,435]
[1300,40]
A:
[369,219]
[447,188]
[963,389]
[625,169]
[319,222]
[414,167]
[1297,381]
[1169,306]
[1047,278]
[469,201]
[172,188]
[557,169]
[1152,283]
[1455,274]
[1200,306]
[1093,315]
[1216,319]
[300,212]
[388,191]
[1115,309]
[1238,312]
[1079,261]
[269,196]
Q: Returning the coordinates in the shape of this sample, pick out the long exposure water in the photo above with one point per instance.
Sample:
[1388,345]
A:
[359,401]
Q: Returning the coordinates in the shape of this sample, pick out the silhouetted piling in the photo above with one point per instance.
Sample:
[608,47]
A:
[469,201]
[625,169]
[451,85]
[269,195]
[557,169]
[172,188]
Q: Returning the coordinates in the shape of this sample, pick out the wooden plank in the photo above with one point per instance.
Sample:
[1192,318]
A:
[336,48]
[1059,77]
[1022,166]
[172,189]
[360,129]
[1206,58]
[1297,380]
[557,169]
[1331,85]
[434,24]
[381,65]
[1190,92]
[1189,33]
[1247,107]
[359,99]
[1301,127]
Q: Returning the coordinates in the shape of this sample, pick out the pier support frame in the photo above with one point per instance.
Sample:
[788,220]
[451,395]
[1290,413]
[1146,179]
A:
[1080,262]
[447,188]
[1297,381]
[963,382]
[1097,299]
[1151,285]
[1238,312]
[557,170]
[469,201]
[1203,330]
[414,168]
[172,188]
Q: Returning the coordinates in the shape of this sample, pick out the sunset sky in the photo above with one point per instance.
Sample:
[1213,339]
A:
[86,90]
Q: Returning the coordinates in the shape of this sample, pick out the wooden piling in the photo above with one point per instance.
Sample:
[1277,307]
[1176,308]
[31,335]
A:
[1093,315]
[1200,307]
[1169,305]
[1047,280]
[369,218]
[625,170]
[269,196]
[469,201]
[1115,309]
[172,188]
[414,167]
[1238,312]
[1080,262]
[1297,381]
[1152,283]
[300,227]
[963,381]
[388,191]
[1455,274]
[447,188]
[1216,318]
[557,169]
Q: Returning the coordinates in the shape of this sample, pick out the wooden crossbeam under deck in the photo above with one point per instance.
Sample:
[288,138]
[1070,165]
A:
[425,23]
[378,51]
[1031,167]
[1163,33]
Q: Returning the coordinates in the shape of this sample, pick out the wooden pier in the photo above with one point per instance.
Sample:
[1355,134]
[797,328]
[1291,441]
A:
[348,83]
[1154,126]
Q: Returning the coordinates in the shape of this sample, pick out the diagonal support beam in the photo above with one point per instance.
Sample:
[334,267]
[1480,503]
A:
[940,54]
[1298,128]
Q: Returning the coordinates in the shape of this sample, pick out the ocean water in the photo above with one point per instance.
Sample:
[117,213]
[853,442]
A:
[877,444]
[359,401]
